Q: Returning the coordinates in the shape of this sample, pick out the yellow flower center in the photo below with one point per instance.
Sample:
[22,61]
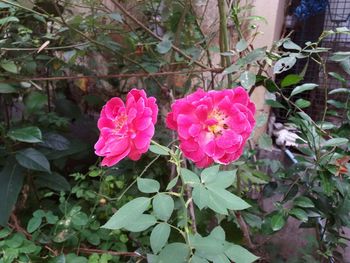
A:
[220,124]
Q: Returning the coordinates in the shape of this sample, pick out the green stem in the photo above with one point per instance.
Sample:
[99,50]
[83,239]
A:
[224,39]
[141,174]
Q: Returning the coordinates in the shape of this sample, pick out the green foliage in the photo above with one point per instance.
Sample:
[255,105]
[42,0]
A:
[175,212]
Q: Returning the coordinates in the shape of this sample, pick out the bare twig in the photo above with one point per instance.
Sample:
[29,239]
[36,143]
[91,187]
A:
[125,75]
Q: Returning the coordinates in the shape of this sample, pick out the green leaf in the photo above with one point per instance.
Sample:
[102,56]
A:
[301,103]
[33,224]
[207,246]
[200,196]
[159,150]
[265,142]
[218,233]
[147,186]
[253,56]
[224,179]
[340,56]
[55,141]
[197,259]
[289,44]
[303,201]
[28,134]
[210,174]
[241,45]
[53,181]
[274,104]
[174,253]
[189,177]
[239,254]
[222,258]
[159,237]
[338,77]
[335,142]
[9,66]
[247,79]
[33,160]
[345,64]
[127,213]
[79,219]
[277,221]
[172,183]
[35,101]
[141,223]
[116,16]
[11,181]
[302,88]
[165,45]
[290,80]
[7,88]
[163,206]
[300,214]
[231,69]
[8,19]
[284,64]
[229,200]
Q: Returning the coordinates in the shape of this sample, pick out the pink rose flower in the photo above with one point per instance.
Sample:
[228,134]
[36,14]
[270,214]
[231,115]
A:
[126,129]
[213,126]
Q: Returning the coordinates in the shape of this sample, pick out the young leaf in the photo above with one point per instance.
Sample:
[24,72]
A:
[11,180]
[33,160]
[189,177]
[277,221]
[33,224]
[163,206]
[147,186]
[28,134]
[302,88]
[299,213]
[159,237]
[301,103]
[141,223]
[290,80]
[274,104]
[127,213]
[303,201]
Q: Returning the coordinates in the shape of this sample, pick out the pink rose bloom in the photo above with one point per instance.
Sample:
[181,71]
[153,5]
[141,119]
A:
[213,126]
[126,129]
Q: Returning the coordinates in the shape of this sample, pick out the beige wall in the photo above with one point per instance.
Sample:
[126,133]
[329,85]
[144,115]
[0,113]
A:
[273,12]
